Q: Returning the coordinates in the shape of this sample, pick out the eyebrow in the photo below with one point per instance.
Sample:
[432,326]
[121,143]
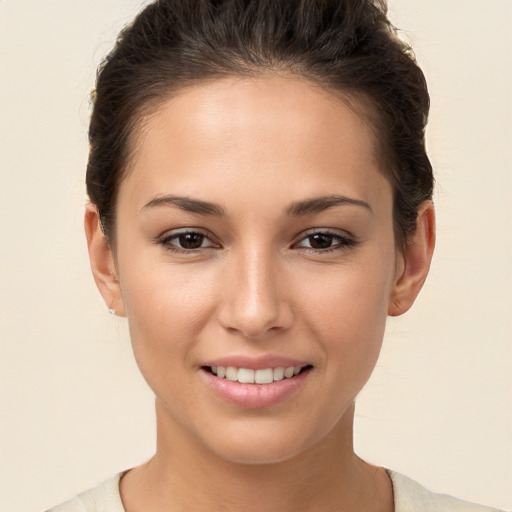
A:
[296,209]
[188,204]
[319,204]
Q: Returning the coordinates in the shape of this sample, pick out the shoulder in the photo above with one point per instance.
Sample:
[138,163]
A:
[99,499]
[413,497]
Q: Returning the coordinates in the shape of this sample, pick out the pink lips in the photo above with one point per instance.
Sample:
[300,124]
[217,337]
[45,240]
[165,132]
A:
[255,396]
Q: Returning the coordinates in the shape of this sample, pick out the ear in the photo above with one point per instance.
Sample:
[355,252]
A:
[416,260]
[102,261]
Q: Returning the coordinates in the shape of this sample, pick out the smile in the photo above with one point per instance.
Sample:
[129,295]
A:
[250,376]
[256,383]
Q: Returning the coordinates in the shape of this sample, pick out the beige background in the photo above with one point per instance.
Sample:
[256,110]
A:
[73,407]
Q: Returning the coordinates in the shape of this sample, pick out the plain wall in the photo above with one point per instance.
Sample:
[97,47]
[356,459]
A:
[73,407]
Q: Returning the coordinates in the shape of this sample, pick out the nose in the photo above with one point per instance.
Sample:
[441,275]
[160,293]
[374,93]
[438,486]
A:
[255,300]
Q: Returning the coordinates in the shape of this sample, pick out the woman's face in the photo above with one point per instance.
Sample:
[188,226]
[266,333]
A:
[255,231]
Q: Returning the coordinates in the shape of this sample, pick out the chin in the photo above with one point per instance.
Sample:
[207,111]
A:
[260,443]
[258,454]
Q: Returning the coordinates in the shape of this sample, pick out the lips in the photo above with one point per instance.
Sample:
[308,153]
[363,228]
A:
[255,383]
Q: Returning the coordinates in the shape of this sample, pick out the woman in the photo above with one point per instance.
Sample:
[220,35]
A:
[260,203]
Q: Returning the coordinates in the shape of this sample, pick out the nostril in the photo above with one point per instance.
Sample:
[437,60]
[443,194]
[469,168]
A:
[255,306]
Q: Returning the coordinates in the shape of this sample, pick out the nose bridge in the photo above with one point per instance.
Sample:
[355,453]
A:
[255,300]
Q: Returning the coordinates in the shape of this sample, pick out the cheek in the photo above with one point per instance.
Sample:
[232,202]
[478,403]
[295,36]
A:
[347,310]
[163,317]
[166,308]
[353,295]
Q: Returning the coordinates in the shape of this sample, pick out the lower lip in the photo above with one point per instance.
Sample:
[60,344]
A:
[255,396]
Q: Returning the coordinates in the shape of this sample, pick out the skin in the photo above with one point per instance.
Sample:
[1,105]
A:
[255,286]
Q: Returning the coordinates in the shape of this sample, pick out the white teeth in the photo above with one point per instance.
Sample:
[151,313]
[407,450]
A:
[249,376]
[263,376]
[278,373]
[231,373]
[246,376]
[289,372]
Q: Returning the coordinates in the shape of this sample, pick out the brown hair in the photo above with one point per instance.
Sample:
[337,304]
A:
[348,46]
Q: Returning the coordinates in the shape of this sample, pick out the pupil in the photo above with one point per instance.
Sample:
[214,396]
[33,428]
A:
[321,241]
[191,240]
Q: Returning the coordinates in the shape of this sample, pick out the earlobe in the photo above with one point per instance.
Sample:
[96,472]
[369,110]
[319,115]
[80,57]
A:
[416,261]
[102,261]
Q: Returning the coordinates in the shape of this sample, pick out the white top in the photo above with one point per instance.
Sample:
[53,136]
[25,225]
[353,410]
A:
[409,497]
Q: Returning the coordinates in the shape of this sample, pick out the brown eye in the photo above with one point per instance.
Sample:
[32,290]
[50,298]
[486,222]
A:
[187,242]
[190,240]
[321,241]
[325,241]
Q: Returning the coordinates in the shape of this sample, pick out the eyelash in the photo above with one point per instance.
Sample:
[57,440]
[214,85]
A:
[167,240]
[343,242]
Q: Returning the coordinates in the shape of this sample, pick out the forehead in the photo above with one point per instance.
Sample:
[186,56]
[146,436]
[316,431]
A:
[225,136]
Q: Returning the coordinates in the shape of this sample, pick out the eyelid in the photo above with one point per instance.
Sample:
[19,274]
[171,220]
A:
[344,239]
[170,235]
[347,239]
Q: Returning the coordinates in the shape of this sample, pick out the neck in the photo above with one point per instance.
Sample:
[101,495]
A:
[185,475]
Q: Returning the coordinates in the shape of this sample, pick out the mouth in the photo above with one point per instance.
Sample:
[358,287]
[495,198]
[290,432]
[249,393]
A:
[259,376]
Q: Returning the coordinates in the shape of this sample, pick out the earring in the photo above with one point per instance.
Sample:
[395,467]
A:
[112,311]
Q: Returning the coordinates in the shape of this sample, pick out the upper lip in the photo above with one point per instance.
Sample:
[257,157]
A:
[255,363]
